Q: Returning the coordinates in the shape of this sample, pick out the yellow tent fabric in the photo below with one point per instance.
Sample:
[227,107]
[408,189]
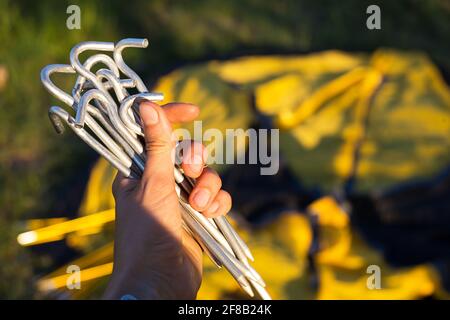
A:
[280,250]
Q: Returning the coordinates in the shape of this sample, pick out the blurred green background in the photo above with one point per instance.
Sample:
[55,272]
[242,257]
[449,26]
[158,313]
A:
[41,177]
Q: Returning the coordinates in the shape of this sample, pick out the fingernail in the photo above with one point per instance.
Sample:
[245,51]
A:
[148,114]
[197,163]
[201,198]
[213,207]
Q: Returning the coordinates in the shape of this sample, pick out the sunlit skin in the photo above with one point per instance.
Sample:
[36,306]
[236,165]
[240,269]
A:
[154,258]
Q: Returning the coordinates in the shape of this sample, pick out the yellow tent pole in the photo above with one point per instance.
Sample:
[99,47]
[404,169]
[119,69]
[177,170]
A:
[100,255]
[57,231]
[85,275]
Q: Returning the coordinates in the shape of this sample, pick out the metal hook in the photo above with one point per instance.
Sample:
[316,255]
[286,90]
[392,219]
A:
[84,46]
[120,91]
[88,64]
[130,43]
[114,81]
[105,97]
[76,64]
[128,102]
[115,119]
[46,72]
[82,83]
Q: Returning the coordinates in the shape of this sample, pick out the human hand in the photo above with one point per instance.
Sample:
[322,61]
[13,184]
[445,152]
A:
[154,257]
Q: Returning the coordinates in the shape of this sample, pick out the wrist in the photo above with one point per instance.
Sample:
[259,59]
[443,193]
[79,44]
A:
[122,284]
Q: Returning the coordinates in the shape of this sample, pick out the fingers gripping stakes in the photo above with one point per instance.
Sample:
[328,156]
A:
[102,102]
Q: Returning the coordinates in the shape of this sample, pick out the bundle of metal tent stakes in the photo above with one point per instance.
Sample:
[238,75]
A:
[117,136]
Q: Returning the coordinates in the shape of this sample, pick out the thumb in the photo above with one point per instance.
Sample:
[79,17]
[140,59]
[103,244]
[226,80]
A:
[158,142]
